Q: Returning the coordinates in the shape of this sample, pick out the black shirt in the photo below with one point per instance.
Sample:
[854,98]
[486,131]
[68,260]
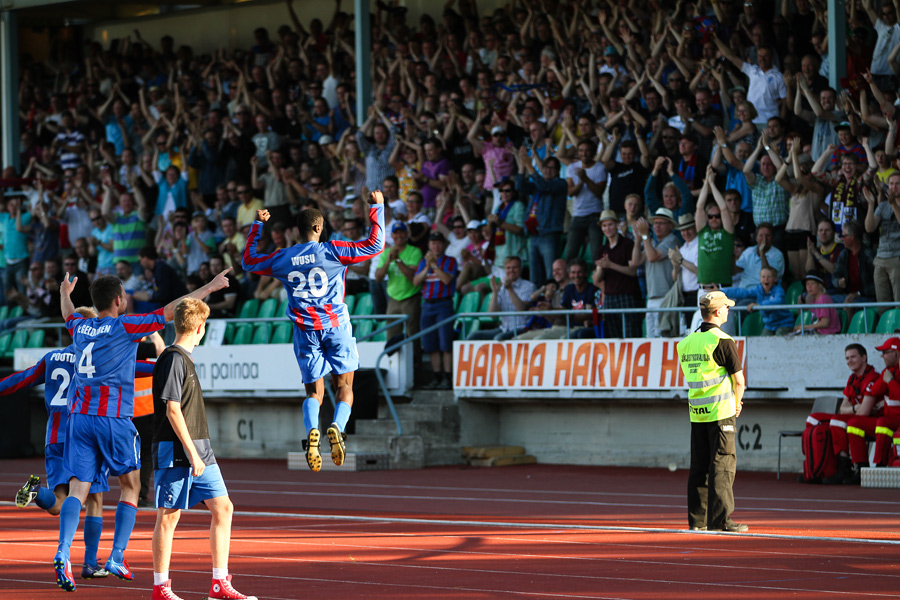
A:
[726,353]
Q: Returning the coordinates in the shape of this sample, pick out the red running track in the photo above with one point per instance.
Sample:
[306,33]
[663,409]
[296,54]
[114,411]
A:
[461,533]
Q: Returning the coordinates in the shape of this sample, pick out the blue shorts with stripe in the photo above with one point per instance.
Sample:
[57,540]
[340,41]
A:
[101,445]
[325,350]
[57,474]
[177,488]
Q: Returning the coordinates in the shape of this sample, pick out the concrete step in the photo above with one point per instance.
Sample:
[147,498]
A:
[431,431]
[369,444]
[442,454]
[433,397]
[382,427]
[416,412]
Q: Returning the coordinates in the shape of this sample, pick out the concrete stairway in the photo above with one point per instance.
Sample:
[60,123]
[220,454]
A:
[430,432]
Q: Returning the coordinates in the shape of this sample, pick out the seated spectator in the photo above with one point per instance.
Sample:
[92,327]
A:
[767,292]
[854,270]
[763,254]
[436,273]
[826,319]
[399,265]
[510,294]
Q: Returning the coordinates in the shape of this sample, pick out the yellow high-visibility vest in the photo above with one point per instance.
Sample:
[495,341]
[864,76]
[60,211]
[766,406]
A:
[710,392]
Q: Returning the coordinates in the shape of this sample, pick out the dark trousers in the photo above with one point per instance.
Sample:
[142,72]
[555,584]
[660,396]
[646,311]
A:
[713,462]
[144,426]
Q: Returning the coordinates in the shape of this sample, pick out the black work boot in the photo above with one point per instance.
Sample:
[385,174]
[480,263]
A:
[855,477]
[844,470]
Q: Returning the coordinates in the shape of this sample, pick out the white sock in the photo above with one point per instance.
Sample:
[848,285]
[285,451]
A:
[220,573]
[160,578]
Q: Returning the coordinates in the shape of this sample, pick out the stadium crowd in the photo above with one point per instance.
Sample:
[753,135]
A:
[569,155]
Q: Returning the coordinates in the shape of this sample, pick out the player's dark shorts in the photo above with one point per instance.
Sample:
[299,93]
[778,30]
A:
[324,350]
[97,445]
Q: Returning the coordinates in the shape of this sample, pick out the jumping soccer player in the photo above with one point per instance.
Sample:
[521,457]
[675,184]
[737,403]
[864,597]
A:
[186,472]
[54,370]
[313,272]
[101,435]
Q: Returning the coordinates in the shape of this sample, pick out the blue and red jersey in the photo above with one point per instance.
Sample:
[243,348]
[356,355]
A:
[433,288]
[105,354]
[313,272]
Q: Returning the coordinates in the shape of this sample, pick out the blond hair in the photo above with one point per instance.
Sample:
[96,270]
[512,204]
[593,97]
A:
[87,312]
[190,313]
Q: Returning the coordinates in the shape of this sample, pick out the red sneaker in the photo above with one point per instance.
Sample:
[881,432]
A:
[164,592]
[221,590]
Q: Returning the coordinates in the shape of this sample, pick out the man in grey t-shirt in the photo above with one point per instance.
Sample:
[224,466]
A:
[885,218]
[653,250]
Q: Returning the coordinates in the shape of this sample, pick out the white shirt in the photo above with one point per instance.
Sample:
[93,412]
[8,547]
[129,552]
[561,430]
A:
[455,247]
[888,37]
[690,252]
[586,203]
[764,91]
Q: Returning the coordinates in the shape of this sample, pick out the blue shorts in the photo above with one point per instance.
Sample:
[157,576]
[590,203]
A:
[324,350]
[442,337]
[57,474]
[177,488]
[101,445]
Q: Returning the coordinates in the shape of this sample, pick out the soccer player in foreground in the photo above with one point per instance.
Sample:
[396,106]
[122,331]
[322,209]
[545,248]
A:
[54,371]
[313,273]
[185,470]
[101,437]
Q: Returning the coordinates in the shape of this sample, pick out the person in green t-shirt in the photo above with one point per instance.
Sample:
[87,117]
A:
[716,237]
[399,265]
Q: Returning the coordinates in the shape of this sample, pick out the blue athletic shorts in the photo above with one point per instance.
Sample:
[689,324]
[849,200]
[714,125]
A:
[101,445]
[57,474]
[324,350]
[177,488]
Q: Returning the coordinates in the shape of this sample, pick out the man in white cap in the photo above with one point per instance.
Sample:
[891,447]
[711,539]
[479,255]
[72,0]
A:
[653,248]
[715,380]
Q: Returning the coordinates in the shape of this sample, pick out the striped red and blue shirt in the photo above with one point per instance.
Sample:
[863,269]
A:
[105,354]
[313,272]
[434,288]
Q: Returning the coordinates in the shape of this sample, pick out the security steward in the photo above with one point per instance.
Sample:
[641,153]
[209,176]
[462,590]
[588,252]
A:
[715,379]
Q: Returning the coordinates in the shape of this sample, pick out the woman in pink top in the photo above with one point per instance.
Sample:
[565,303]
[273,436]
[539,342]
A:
[826,319]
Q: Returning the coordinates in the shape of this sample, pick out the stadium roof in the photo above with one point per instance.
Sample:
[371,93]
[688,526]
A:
[55,13]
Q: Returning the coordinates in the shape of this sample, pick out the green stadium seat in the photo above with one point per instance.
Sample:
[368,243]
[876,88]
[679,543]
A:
[281,333]
[362,328]
[806,316]
[282,308]
[267,309]
[229,333]
[842,315]
[752,325]
[793,293]
[15,311]
[249,309]
[863,321]
[19,340]
[889,322]
[471,302]
[261,333]
[243,332]
[364,305]
[36,339]
[5,339]
[350,301]
[4,312]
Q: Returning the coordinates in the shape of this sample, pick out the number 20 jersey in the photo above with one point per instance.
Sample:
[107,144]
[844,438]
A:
[313,272]
[106,350]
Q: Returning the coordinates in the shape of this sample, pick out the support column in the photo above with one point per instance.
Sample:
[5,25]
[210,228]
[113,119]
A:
[363,20]
[9,89]
[837,43]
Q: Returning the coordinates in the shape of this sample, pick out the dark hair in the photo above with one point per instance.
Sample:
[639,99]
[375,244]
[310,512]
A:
[858,347]
[104,290]
[768,226]
[393,179]
[307,219]
[146,252]
[628,144]
[579,262]
[854,229]
[553,159]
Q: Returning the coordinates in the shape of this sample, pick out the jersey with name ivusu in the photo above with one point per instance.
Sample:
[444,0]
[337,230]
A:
[105,355]
[313,272]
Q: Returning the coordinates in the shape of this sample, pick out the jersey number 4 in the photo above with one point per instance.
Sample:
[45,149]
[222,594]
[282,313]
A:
[316,283]
[86,363]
